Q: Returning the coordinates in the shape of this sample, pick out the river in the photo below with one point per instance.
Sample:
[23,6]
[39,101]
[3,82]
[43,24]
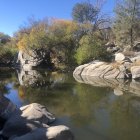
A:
[97,110]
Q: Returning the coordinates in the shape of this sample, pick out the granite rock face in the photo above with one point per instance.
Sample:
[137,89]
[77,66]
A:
[122,68]
[34,58]
[103,70]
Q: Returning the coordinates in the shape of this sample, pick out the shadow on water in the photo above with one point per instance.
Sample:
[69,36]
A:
[93,108]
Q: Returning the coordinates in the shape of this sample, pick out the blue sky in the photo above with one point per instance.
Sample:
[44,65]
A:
[14,13]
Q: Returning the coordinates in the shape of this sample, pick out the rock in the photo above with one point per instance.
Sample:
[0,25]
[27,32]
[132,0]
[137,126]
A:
[118,92]
[103,70]
[112,74]
[60,132]
[18,126]
[127,48]
[119,57]
[34,58]
[79,69]
[33,116]
[127,65]
[37,112]
[92,69]
[135,59]
[136,46]
[111,47]
[52,133]
[135,71]
[7,108]
[37,134]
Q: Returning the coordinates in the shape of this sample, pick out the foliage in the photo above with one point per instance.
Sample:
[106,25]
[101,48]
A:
[33,36]
[85,12]
[58,36]
[126,25]
[4,39]
[90,48]
[8,52]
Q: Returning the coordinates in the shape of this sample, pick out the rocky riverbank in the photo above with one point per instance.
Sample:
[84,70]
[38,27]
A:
[30,122]
[122,68]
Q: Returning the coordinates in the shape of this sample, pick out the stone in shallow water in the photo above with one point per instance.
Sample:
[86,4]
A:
[37,112]
[52,133]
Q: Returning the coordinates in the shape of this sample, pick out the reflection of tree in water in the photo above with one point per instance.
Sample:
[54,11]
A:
[6,76]
[82,103]
[125,122]
[66,97]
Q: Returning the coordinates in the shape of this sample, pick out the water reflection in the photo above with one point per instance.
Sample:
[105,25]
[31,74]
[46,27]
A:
[119,85]
[91,110]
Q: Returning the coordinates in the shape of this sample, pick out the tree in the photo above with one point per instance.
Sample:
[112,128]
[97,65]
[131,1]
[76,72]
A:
[127,22]
[85,12]
[91,47]
[4,39]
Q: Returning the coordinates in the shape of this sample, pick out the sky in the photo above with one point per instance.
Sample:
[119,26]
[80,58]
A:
[14,13]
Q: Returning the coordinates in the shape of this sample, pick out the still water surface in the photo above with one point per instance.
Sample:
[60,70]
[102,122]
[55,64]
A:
[92,111]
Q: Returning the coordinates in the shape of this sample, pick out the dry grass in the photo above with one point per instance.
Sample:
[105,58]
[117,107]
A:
[116,65]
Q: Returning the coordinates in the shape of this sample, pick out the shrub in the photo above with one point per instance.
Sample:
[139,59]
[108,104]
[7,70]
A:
[90,47]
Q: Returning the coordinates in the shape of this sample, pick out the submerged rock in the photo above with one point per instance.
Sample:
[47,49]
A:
[52,133]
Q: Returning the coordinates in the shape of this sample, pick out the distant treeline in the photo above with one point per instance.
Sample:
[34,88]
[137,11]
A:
[79,40]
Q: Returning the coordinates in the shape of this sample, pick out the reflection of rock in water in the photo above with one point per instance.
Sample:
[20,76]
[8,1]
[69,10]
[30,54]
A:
[31,78]
[119,85]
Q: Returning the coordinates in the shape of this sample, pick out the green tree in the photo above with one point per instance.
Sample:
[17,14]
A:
[85,12]
[91,47]
[4,38]
[126,25]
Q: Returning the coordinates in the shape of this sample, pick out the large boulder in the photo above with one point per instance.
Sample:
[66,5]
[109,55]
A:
[7,108]
[37,112]
[18,126]
[52,133]
[34,58]
[102,70]
[31,117]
